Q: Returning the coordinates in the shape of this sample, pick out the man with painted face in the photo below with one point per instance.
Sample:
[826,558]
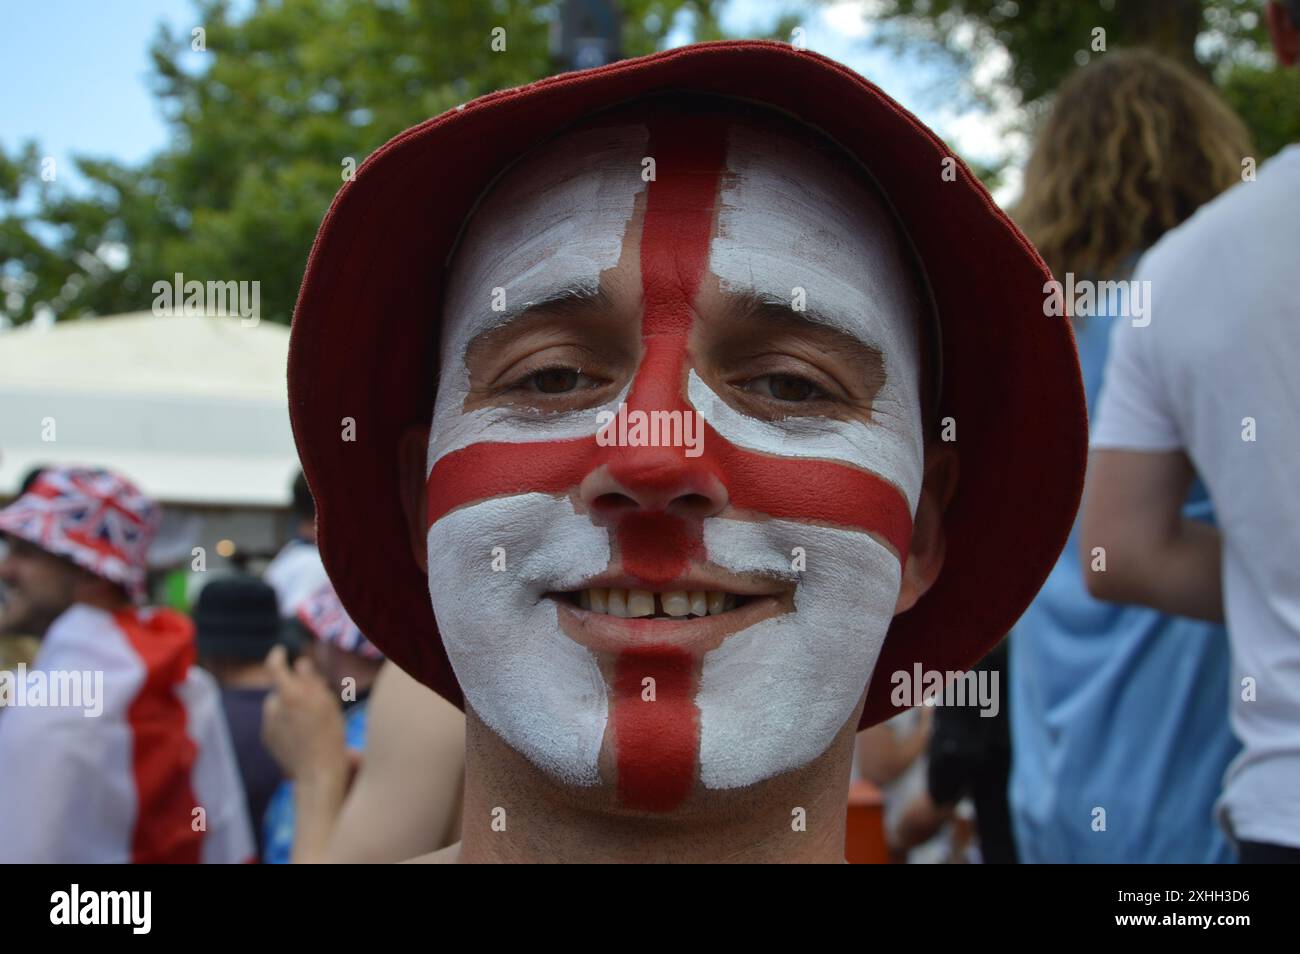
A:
[686,394]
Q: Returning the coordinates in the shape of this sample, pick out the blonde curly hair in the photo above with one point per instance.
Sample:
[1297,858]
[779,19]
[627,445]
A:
[1131,146]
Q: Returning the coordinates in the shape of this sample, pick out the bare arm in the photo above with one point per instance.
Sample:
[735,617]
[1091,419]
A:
[302,726]
[1132,517]
[316,803]
[405,800]
[920,821]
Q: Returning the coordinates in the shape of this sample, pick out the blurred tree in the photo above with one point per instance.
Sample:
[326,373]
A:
[1268,99]
[1034,44]
[262,121]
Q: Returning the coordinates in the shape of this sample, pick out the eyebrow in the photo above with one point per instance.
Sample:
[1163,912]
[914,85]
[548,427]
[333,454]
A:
[758,304]
[576,298]
[585,299]
[579,297]
[825,327]
[573,295]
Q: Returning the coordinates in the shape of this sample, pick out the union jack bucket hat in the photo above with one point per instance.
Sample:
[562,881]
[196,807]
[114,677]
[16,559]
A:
[366,331]
[97,519]
[326,619]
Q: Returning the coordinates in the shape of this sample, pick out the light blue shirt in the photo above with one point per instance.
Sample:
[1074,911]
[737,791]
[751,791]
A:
[1118,708]
[277,826]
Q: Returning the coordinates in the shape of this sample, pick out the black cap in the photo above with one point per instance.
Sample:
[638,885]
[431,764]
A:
[237,617]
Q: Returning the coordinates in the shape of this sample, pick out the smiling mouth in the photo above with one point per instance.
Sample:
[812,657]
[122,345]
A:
[616,619]
[650,604]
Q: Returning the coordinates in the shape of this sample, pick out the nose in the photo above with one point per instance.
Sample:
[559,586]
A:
[653,479]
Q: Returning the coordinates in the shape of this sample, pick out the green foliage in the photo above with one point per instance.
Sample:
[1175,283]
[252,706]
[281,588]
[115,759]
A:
[1268,100]
[261,123]
[1044,40]
[263,120]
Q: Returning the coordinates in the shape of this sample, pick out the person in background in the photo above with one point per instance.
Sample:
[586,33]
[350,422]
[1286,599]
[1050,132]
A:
[18,646]
[969,757]
[892,756]
[1209,386]
[16,653]
[136,765]
[406,795]
[304,723]
[296,572]
[953,807]
[238,624]
[1118,724]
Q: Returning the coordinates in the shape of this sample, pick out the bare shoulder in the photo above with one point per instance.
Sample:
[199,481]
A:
[402,698]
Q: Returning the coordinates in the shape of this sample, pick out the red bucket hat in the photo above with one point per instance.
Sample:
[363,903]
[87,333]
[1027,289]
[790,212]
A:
[365,336]
[97,519]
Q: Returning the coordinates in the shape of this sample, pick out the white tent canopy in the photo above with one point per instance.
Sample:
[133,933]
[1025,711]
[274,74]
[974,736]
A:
[193,409]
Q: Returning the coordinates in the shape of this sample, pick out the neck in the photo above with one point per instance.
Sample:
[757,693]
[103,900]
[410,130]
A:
[546,822]
[102,596]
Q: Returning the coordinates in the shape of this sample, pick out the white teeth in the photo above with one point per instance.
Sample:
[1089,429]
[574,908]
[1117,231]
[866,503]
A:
[699,603]
[640,603]
[676,604]
[618,602]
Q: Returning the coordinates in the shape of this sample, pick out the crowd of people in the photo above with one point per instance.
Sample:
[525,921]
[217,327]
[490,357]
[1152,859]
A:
[1153,714]
[232,735]
[1151,710]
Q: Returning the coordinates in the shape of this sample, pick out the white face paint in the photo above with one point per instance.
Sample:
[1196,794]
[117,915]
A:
[553,224]
[550,224]
[532,685]
[772,696]
[790,219]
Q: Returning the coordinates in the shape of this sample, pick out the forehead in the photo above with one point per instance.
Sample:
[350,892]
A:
[791,216]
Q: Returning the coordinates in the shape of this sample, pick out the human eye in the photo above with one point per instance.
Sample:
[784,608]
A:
[554,380]
[786,388]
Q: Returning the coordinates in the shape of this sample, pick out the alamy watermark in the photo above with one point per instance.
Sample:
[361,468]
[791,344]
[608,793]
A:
[131,908]
[1088,299]
[194,298]
[932,687]
[54,689]
[626,428]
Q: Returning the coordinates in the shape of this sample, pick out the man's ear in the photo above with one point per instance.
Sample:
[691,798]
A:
[925,556]
[412,453]
[1284,33]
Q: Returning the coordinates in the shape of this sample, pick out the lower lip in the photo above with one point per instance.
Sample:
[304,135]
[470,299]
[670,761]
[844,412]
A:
[603,633]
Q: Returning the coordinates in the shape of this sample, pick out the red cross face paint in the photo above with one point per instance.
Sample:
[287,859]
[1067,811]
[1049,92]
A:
[654,616]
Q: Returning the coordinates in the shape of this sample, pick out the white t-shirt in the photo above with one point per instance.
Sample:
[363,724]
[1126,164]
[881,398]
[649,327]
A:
[1216,373]
[295,574]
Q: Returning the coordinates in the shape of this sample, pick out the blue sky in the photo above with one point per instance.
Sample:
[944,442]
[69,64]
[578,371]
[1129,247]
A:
[75,72]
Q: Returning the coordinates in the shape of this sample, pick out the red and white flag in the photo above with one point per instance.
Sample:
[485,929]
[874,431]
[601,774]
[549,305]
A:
[114,748]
